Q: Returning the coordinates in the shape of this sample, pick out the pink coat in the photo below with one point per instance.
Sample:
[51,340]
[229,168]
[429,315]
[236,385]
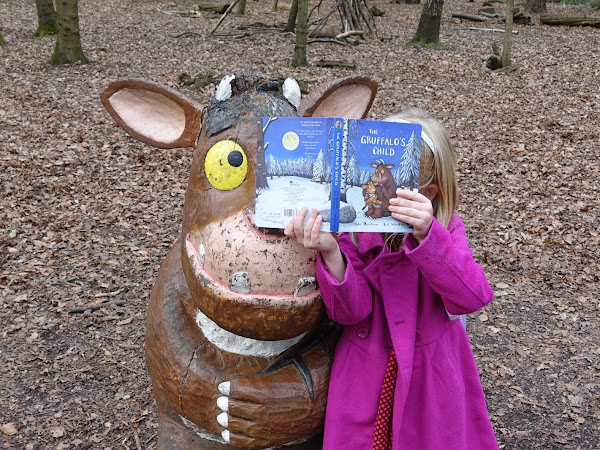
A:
[402,300]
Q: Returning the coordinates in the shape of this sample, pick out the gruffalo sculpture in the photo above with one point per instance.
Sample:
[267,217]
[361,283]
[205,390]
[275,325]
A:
[236,343]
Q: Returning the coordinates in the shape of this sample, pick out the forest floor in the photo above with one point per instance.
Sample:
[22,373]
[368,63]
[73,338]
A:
[87,214]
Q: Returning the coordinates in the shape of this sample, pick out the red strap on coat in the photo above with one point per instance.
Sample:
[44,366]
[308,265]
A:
[382,440]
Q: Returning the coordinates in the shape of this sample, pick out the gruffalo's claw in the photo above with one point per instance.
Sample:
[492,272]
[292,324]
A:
[232,301]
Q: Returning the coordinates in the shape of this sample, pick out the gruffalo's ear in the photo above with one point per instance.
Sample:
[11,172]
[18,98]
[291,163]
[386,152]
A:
[349,97]
[152,113]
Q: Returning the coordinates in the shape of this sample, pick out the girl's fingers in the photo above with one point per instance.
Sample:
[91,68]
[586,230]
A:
[299,224]
[409,194]
[289,228]
[315,232]
[309,225]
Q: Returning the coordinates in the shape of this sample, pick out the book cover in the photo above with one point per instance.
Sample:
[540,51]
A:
[346,168]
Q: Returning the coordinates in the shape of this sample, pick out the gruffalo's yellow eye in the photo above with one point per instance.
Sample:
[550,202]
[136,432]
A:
[226,165]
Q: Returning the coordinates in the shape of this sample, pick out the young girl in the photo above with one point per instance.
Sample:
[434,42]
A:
[404,376]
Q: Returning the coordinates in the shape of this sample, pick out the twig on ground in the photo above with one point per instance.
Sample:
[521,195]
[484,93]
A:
[334,41]
[108,294]
[137,440]
[80,309]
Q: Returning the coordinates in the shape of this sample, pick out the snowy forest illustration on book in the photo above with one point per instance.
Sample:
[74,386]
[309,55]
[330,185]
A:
[346,168]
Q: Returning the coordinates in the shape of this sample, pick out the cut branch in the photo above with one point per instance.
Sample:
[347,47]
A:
[498,30]
[470,17]
[225,14]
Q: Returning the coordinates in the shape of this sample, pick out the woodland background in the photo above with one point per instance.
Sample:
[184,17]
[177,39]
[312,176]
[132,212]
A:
[87,214]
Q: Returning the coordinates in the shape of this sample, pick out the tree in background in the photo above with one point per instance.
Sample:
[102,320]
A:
[46,18]
[507,50]
[299,58]
[241,7]
[536,6]
[2,41]
[68,42]
[291,23]
[428,31]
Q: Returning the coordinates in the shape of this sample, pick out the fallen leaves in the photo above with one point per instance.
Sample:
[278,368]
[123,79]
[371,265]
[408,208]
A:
[8,429]
[87,214]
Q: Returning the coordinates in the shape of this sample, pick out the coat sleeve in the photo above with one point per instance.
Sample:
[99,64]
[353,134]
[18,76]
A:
[446,261]
[348,301]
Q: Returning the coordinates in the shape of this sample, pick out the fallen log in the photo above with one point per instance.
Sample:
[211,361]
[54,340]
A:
[334,63]
[572,21]
[470,17]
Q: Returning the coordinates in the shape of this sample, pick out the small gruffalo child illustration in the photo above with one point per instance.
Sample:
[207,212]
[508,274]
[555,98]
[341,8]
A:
[372,203]
[385,188]
[237,345]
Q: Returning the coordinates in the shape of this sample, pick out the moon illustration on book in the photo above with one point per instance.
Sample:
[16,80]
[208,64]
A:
[290,140]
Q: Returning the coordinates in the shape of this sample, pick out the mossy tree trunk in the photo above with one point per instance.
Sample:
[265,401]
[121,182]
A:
[46,18]
[428,31]
[274,5]
[68,42]
[291,23]
[2,41]
[536,6]
[301,35]
[507,50]
[241,7]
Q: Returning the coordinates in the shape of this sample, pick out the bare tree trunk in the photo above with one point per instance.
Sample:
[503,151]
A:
[46,18]
[428,31]
[68,42]
[291,23]
[301,35]
[241,7]
[536,6]
[507,50]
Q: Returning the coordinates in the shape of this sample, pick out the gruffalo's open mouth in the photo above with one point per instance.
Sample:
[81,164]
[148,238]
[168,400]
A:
[251,283]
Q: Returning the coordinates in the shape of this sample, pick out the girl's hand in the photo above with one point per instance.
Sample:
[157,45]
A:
[414,209]
[310,236]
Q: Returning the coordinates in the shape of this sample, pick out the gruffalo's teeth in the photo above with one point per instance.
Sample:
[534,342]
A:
[240,282]
[306,286]
[201,253]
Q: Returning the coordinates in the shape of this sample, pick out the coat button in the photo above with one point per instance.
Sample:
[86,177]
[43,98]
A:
[418,335]
[362,333]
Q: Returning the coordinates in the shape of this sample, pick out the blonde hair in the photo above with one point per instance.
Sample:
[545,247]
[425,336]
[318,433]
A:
[438,165]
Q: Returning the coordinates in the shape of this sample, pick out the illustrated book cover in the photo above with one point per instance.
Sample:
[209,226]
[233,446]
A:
[348,169]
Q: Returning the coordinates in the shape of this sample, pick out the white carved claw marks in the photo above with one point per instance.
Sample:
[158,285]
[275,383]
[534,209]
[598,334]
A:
[223,404]
[224,88]
[291,91]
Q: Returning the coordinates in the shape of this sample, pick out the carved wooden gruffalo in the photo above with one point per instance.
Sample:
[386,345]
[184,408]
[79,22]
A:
[237,345]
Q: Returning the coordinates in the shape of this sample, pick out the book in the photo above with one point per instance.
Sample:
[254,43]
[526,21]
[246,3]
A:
[348,169]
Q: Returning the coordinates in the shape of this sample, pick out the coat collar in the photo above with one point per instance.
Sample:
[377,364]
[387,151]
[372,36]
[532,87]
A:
[370,243]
